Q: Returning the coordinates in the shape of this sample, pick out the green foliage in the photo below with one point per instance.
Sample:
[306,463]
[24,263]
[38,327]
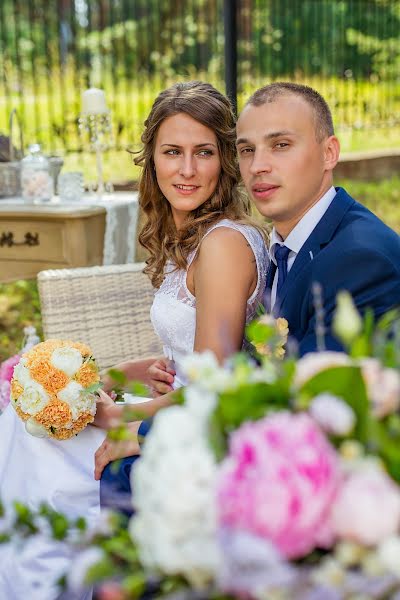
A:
[347,49]
[19,307]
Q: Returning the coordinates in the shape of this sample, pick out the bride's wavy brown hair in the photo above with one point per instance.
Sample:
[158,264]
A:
[159,236]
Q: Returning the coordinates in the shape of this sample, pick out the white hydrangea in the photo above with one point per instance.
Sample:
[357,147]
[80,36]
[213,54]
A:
[33,399]
[67,359]
[35,428]
[200,402]
[173,483]
[21,373]
[203,369]
[78,401]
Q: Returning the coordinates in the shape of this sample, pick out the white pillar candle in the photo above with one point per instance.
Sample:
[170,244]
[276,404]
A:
[94,102]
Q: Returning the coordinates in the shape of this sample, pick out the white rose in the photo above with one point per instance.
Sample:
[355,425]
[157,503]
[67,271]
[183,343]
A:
[78,402]
[21,373]
[33,399]
[35,428]
[67,359]
[332,414]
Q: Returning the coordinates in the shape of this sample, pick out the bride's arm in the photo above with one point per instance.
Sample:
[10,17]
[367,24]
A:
[224,277]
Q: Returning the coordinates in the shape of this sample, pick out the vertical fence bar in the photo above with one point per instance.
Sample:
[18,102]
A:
[230,29]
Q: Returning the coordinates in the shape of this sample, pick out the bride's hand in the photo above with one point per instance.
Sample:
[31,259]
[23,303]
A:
[113,450]
[161,377]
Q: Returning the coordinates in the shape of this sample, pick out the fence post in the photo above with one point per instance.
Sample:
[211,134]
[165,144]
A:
[230,33]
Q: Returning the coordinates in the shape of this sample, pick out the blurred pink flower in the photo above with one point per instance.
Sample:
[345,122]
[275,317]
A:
[7,367]
[6,373]
[383,387]
[279,481]
[367,508]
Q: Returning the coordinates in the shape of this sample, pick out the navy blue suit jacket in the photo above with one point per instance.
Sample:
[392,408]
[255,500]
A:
[349,249]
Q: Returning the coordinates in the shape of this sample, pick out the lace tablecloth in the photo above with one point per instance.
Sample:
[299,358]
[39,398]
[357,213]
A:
[122,210]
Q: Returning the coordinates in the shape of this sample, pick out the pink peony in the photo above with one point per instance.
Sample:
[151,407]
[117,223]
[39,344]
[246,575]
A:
[279,482]
[367,508]
[6,373]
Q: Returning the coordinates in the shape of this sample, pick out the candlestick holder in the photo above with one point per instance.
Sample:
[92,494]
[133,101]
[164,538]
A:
[98,127]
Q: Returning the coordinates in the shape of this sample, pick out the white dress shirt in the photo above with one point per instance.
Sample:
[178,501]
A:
[299,235]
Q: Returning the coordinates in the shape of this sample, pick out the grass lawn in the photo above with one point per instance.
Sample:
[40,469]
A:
[19,301]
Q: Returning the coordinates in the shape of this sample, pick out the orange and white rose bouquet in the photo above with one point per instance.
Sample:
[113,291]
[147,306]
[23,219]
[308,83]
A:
[53,388]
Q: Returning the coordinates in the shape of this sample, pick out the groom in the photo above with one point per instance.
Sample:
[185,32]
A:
[287,151]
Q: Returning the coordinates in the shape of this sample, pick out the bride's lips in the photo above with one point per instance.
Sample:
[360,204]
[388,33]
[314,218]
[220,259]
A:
[184,189]
[262,191]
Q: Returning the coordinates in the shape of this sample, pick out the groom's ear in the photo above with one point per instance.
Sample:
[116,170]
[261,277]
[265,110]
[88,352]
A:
[331,152]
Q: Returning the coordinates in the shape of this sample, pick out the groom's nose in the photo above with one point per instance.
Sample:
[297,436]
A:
[260,163]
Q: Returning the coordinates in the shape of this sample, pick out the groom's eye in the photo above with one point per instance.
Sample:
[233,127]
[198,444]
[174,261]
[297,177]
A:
[245,150]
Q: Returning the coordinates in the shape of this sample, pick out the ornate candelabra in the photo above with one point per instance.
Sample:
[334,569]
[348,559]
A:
[96,120]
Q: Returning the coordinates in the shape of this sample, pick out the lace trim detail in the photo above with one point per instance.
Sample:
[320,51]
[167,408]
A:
[174,284]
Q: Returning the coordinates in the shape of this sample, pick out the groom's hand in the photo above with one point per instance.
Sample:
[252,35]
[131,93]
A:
[161,377]
[113,450]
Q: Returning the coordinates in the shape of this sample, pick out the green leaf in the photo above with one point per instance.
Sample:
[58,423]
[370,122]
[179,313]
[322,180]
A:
[117,376]
[134,584]
[94,387]
[138,388]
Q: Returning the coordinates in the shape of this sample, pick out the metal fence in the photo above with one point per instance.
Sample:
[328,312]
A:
[51,50]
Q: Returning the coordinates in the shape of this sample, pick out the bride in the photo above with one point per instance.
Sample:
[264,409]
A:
[207,258]
[207,261]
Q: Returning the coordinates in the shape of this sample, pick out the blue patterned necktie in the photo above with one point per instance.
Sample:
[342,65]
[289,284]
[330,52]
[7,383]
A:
[281,256]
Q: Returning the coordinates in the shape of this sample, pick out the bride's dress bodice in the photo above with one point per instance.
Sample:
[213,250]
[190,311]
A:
[173,312]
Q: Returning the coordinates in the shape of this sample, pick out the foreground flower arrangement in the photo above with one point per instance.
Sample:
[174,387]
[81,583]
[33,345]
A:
[52,388]
[275,480]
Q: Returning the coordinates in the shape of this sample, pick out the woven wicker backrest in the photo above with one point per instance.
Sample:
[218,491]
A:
[106,307]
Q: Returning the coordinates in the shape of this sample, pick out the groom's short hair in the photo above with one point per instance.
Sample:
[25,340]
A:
[323,115]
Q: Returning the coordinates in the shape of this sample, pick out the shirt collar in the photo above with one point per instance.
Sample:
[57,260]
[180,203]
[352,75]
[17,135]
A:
[299,234]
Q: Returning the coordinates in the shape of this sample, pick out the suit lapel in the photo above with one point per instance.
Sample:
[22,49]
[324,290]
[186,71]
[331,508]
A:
[320,236]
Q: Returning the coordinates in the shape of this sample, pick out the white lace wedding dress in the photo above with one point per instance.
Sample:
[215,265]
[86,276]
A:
[173,312]
[60,473]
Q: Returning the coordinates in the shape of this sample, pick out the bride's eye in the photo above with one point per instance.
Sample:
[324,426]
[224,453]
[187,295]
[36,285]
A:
[205,152]
[172,152]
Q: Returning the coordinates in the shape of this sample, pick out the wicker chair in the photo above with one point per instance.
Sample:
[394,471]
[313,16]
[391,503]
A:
[106,307]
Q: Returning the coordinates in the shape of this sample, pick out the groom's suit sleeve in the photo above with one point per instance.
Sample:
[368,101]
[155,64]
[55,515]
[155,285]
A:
[371,277]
